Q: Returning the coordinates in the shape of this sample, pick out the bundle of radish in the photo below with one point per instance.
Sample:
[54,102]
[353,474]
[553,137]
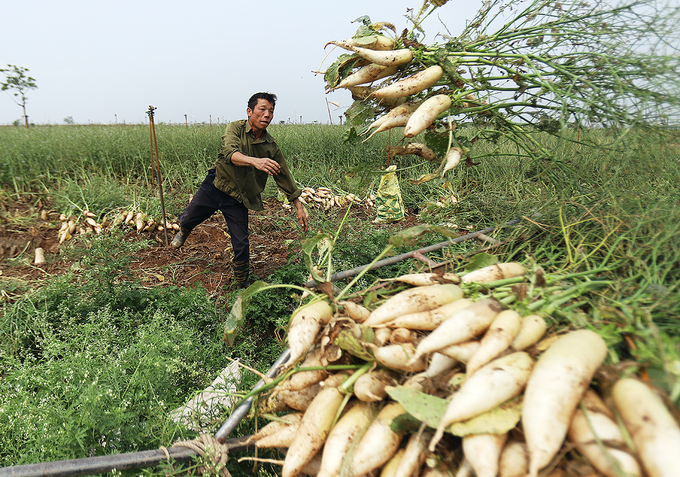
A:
[323,197]
[393,383]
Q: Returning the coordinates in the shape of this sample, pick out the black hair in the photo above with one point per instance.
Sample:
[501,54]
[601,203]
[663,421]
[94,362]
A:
[252,102]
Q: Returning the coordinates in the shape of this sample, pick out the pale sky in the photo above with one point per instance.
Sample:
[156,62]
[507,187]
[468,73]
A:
[102,61]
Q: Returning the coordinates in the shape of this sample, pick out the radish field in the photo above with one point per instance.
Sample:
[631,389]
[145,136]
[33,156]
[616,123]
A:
[92,361]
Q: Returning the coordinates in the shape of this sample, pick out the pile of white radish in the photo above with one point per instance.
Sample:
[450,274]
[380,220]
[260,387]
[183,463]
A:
[431,383]
[87,223]
[324,198]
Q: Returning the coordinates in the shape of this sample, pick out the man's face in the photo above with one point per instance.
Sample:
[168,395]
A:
[261,115]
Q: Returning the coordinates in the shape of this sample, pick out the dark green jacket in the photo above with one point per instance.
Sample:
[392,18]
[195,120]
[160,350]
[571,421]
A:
[245,183]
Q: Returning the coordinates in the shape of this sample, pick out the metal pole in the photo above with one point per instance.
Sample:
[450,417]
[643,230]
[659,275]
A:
[158,170]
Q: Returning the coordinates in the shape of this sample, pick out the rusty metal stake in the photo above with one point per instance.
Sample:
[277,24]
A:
[157,168]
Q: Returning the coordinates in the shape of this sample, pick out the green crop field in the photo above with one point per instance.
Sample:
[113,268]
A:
[91,362]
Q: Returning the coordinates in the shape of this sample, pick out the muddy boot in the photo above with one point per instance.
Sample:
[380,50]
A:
[242,274]
[180,238]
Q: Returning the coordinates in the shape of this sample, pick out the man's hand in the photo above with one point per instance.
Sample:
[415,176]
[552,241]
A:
[263,164]
[302,215]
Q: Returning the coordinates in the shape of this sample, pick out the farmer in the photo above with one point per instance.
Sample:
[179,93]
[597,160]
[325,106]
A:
[248,156]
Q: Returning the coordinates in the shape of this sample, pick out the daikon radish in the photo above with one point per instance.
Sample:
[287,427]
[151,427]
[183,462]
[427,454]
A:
[357,312]
[303,379]
[314,428]
[381,57]
[497,339]
[461,352]
[532,330]
[298,400]
[452,159]
[462,326]
[414,299]
[514,461]
[483,452]
[413,84]
[304,326]
[275,426]
[367,74]
[465,469]
[493,384]
[379,443]
[414,455]
[440,363]
[498,271]
[401,357]
[370,387]
[284,436]
[560,377]
[402,335]
[426,113]
[343,435]
[431,319]
[374,42]
[425,279]
[597,421]
[382,336]
[391,466]
[654,431]
[39,256]
[395,118]
[416,149]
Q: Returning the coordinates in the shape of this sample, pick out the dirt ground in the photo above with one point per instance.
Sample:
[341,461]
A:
[205,258]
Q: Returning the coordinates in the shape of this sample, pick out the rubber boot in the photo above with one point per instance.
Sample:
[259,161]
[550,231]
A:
[242,273]
[180,238]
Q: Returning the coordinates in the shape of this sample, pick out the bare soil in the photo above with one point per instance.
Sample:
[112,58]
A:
[204,259]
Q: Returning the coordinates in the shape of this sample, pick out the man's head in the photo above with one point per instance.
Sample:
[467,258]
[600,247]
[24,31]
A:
[260,111]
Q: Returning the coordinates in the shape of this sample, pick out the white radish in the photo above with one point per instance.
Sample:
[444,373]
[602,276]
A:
[282,437]
[395,118]
[425,279]
[532,330]
[357,312]
[413,84]
[596,424]
[379,443]
[462,326]
[560,377]
[416,149]
[304,326]
[314,428]
[390,468]
[431,319]
[402,335]
[452,159]
[496,340]
[401,357]
[493,384]
[426,113]
[412,300]
[414,455]
[370,387]
[348,428]
[367,74]
[498,271]
[374,42]
[381,57]
[382,336]
[654,431]
[39,256]
[277,426]
[298,400]
[440,363]
[483,452]
[461,352]
[514,461]
[303,379]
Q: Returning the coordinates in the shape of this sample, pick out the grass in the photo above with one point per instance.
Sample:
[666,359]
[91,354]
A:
[93,357]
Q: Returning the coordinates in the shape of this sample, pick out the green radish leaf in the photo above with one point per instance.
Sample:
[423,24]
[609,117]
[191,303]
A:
[351,136]
[408,237]
[236,317]
[340,69]
[359,113]
[365,20]
[430,410]
[424,178]
[405,423]
[323,243]
[357,346]
[481,260]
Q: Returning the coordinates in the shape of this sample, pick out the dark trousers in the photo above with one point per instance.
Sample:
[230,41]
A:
[208,200]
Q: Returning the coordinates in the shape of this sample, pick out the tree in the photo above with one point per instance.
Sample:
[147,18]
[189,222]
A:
[69,120]
[19,83]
